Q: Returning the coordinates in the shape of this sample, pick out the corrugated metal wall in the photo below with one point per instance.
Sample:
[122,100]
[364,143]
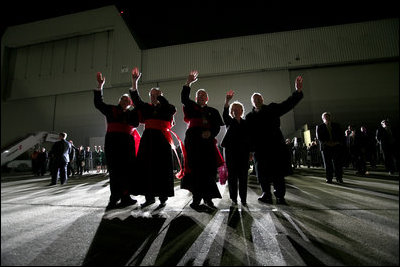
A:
[59,67]
[62,55]
[284,50]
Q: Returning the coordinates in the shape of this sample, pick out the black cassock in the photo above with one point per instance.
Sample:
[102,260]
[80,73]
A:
[202,163]
[155,154]
[119,146]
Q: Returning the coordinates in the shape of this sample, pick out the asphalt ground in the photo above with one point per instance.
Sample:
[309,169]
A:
[354,223]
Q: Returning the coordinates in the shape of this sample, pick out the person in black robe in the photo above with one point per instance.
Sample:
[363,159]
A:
[203,156]
[237,150]
[155,156]
[271,158]
[119,144]
[332,145]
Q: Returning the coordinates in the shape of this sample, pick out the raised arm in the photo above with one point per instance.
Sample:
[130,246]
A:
[137,101]
[293,100]
[135,78]
[101,80]
[225,115]
[185,94]
[98,94]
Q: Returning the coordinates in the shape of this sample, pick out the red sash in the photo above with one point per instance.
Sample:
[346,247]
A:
[198,122]
[165,128]
[125,128]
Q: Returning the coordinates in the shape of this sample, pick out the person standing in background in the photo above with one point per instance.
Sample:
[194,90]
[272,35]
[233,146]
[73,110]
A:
[60,156]
[332,147]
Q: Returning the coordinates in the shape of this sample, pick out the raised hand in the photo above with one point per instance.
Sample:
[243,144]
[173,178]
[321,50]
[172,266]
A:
[229,95]
[135,74]
[299,83]
[100,80]
[135,77]
[192,77]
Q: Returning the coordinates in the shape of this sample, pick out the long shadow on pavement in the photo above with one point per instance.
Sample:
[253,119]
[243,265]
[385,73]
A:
[116,240]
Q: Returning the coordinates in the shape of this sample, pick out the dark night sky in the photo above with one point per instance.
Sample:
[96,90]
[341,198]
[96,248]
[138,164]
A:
[155,25]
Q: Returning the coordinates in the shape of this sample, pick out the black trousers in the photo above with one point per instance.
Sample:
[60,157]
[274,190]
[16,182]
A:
[237,163]
[389,158]
[61,168]
[333,161]
[265,178]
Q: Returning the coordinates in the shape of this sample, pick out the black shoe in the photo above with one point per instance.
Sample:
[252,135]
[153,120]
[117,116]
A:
[147,203]
[234,202]
[210,204]
[244,204]
[50,184]
[127,202]
[265,199]
[281,201]
[339,181]
[328,181]
[197,207]
[111,205]
[163,200]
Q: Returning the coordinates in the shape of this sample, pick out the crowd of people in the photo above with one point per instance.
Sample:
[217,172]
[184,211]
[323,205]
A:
[81,161]
[359,147]
[145,165]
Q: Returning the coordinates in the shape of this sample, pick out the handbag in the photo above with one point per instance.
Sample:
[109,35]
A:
[223,173]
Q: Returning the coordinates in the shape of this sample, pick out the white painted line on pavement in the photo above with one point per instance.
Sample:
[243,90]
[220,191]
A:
[287,216]
[212,229]
[266,246]
[203,243]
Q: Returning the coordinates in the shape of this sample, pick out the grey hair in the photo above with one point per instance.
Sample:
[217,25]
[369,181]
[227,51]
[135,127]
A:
[236,103]
[326,113]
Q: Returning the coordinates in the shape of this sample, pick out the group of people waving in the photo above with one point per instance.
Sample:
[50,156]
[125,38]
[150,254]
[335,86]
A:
[143,165]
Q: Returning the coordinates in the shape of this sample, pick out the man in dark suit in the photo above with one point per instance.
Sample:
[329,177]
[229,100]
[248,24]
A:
[271,158]
[60,155]
[387,140]
[331,140]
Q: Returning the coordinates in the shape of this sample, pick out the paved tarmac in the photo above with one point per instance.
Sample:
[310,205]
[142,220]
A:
[355,223]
